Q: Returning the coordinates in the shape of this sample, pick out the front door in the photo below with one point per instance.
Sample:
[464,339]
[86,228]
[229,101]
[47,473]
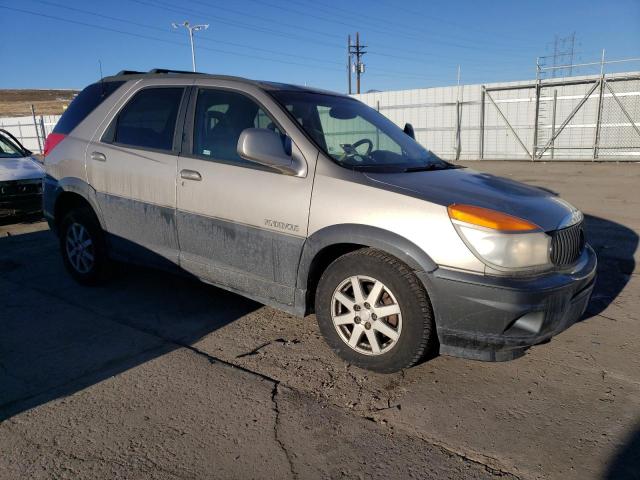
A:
[240,225]
[133,169]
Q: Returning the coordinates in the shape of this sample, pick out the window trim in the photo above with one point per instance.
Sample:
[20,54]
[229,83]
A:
[109,132]
[186,149]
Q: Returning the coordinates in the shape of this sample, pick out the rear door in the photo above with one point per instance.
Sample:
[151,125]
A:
[132,166]
[240,225]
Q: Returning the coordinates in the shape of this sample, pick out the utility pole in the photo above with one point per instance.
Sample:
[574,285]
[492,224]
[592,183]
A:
[191,28]
[349,62]
[358,50]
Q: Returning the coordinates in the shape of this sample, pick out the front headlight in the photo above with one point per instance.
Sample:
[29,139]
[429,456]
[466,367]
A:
[499,240]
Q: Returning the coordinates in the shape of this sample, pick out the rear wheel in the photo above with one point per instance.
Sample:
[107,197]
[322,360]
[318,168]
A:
[374,312]
[83,247]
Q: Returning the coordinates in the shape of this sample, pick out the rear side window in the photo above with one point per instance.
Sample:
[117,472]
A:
[85,103]
[149,119]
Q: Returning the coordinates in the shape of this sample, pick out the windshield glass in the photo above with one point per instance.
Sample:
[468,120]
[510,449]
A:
[8,149]
[355,135]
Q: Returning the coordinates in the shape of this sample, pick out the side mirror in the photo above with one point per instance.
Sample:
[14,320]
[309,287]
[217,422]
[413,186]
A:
[265,147]
[408,129]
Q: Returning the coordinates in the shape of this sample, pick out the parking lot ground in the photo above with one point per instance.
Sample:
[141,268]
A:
[157,376]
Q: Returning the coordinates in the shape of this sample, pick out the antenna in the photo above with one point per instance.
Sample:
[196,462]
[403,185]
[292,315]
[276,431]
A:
[101,76]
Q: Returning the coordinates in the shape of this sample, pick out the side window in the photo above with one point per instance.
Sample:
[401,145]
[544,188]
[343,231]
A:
[85,103]
[220,118]
[149,119]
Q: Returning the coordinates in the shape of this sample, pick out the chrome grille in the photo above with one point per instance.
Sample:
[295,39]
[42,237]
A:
[567,244]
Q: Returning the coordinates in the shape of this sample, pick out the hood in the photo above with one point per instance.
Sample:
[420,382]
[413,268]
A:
[463,185]
[20,169]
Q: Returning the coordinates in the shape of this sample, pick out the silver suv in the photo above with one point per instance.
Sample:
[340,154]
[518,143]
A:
[310,201]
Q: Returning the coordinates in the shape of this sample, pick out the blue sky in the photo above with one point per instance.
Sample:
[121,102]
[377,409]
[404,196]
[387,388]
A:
[411,43]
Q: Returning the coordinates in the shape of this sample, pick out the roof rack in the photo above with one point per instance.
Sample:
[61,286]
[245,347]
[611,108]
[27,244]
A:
[155,71]
[164,70]
[128,72]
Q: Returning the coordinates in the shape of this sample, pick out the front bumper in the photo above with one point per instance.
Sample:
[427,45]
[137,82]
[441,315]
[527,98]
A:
[20,197]
[496,318]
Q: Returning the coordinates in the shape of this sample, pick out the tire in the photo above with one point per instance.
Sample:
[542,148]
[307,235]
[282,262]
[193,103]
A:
[384,341]
[90,264]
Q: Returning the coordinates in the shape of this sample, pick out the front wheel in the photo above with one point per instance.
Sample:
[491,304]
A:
[374,312]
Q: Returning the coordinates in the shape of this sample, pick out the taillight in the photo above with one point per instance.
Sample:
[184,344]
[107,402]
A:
[52,140]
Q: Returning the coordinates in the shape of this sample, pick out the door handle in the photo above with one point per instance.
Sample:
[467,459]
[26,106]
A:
[190,175]
[98,157]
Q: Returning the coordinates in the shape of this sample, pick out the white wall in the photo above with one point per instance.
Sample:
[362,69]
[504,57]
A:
[30,134]
[432,111]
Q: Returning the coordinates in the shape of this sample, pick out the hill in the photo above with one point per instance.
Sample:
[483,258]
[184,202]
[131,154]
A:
[16,103]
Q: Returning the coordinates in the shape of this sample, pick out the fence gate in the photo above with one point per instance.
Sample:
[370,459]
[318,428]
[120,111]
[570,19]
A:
[506,121]
[591,118]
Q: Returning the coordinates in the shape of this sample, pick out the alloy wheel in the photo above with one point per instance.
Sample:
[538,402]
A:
[366,315]
[79,247]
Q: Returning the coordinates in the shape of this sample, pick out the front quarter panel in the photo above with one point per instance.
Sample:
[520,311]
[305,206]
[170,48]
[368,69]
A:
[427,225]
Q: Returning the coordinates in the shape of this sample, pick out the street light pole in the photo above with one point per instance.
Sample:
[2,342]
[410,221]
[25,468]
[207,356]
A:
[191,28]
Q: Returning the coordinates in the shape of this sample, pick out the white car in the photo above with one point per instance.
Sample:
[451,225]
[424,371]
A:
[20,178]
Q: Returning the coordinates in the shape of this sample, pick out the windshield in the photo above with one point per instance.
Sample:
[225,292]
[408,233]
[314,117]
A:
[8,149]
[355,135]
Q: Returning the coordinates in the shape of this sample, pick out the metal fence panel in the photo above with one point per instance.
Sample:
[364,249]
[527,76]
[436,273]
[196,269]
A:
[518,120]
[31,131]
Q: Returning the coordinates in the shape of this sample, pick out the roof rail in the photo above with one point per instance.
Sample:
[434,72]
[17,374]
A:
[127,72]
[165,70]
[156,70]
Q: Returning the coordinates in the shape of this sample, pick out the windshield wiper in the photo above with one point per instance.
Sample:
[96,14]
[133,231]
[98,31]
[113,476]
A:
[432,167]
[376,168]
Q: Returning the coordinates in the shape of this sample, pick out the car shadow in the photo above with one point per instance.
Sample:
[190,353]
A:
[625,464]
[615,246]
[20,219]
[58,337]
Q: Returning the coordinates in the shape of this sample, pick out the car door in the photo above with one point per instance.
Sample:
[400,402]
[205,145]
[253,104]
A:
[132,166]
[240,225]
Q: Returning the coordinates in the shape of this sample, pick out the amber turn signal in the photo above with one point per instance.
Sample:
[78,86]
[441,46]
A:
[485,217]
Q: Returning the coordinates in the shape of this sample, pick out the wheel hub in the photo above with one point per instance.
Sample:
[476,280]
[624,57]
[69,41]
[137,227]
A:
[366,315]
[79,247]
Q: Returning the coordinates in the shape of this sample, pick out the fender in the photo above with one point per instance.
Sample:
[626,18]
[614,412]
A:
[53,188]
[375,237]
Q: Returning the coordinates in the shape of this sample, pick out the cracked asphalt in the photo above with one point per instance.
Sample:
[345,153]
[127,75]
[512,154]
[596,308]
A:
[156,376]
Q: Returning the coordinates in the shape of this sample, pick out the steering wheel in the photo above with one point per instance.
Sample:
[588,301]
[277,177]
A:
[350,149]
[362,142]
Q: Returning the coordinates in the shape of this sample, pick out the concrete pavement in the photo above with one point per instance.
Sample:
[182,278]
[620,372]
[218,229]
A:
[157,376]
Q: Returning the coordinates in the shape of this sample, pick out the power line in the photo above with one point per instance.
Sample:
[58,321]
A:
[148,37]
[246,14]
[166,41]
[190,11]
[386,31]
[163,6]
[233,23]
[163,30]
[436,18]
[386,22]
